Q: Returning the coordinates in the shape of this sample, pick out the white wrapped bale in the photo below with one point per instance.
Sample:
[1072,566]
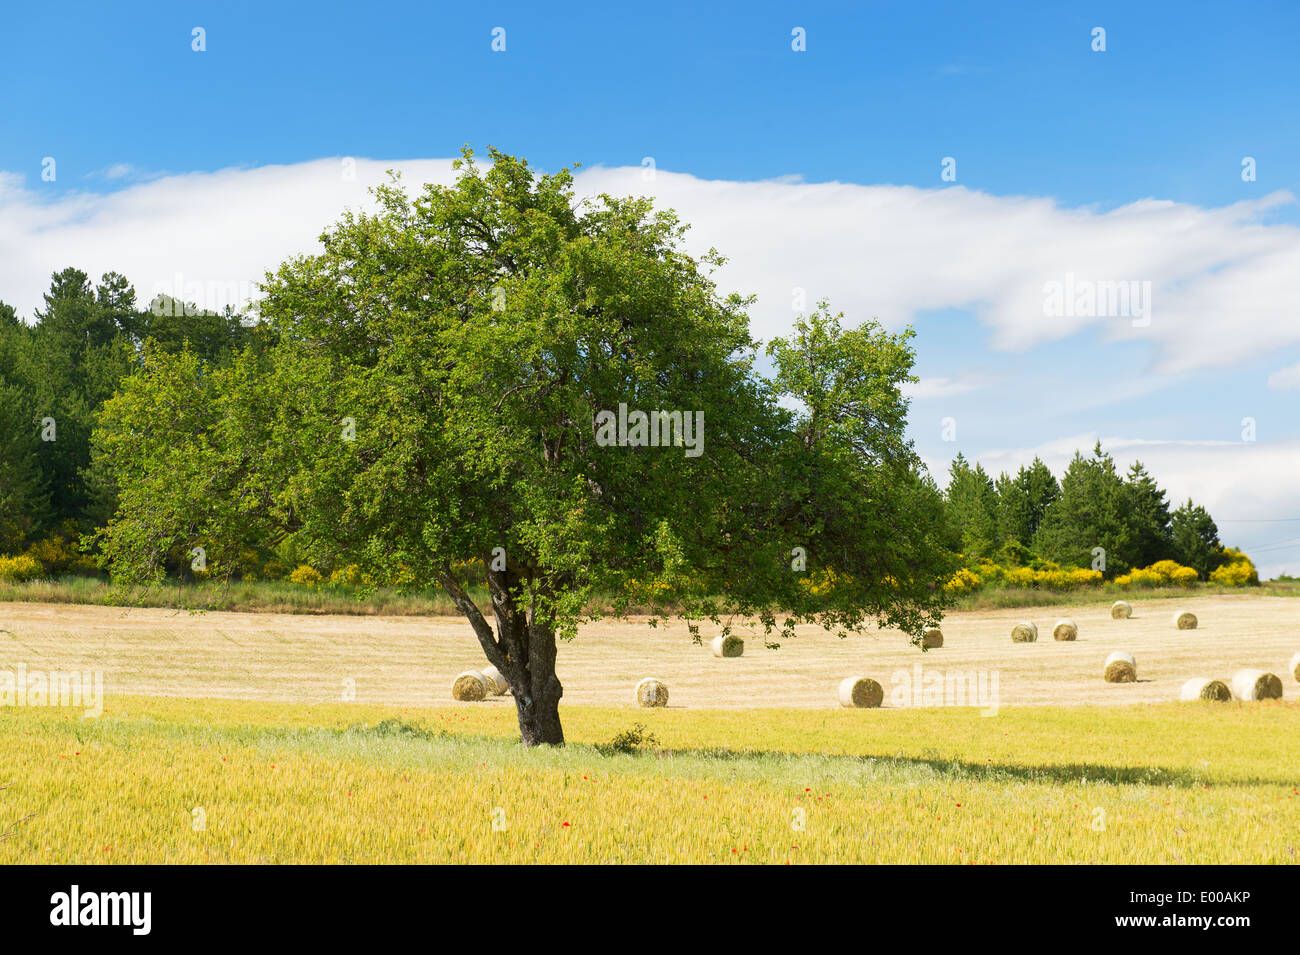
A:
[1065,629]
[496,683]
[469,687]
[1120,668]
[652,692]
[728,646]
[1251,684]
[1204,688]
[861,692]
[1024,632]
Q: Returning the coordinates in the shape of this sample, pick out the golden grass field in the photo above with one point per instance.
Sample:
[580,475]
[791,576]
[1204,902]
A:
[413,660]
[239,716]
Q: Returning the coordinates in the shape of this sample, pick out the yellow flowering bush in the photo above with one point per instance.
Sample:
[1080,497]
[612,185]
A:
[962,582]
[22,567]
[1238,571]
[1163,573]
[306,575]
[349,576]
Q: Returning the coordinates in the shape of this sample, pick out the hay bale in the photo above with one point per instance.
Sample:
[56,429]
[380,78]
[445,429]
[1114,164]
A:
[933,637]
[1120,668]
[1024,632]
[728,646]
[1121,610]
[1295,666]
[861,692]
[1185,620]
[652,692]
[1203,688]
[1065,629]
[469,687]
[1256,685]
[496,683]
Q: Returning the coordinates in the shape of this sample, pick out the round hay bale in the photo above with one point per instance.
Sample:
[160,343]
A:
[1121,610]
[1065,629]
[933,637]
[1256,685]
[1024,632]
[861,692]
[652,692]
[1203,688]
[496,683]
[1295,666]
[728,646]
[1185,620]
[1120,668]
[469,687]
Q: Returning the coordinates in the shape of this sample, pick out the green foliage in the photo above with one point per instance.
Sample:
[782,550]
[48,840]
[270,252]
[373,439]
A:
[472,334]
[630,740]
[1195,539]
[1090,513]
[1022,502]
[972,505]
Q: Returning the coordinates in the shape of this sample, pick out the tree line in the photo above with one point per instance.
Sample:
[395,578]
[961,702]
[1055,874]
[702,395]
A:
[57,372]
[1018,519]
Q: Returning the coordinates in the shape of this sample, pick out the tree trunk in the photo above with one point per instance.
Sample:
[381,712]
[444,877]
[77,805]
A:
[523,649]
[538,692]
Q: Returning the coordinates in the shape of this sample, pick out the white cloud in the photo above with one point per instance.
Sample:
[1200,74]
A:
[940,387]
[1222,280]
[1285,379]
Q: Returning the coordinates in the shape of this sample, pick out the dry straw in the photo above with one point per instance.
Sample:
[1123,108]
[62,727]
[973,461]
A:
[1024,632]
[469,687]
[1120,668]
[1185,620]
[1203,688]
[728,646]
[496,683]
[1256,685]
[933,637]
[1065,629]
[652,692]
[861,692]
[1121,610]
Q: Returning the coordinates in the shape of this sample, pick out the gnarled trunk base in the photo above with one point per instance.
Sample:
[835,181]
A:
[539,712]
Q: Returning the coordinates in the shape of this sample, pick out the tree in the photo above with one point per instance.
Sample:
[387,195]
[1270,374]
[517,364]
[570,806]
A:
[972,507]
[476,374]
[1195,539]
[1090,513]
[1023,500]
[1148,517]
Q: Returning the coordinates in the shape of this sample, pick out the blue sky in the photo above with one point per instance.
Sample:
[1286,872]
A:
[884,91]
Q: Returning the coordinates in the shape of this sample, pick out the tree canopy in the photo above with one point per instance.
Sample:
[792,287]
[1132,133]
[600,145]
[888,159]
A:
[497,372]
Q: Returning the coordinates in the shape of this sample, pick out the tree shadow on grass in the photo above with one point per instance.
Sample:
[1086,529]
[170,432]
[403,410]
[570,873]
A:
[964,770]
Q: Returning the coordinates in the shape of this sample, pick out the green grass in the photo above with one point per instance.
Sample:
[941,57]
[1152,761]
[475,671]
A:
[346,783]
[284,597]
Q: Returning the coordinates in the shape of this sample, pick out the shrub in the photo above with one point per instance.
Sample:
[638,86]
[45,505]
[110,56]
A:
[349,576]
[1237,570]
[22,567]
[962,582]
[306,575]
